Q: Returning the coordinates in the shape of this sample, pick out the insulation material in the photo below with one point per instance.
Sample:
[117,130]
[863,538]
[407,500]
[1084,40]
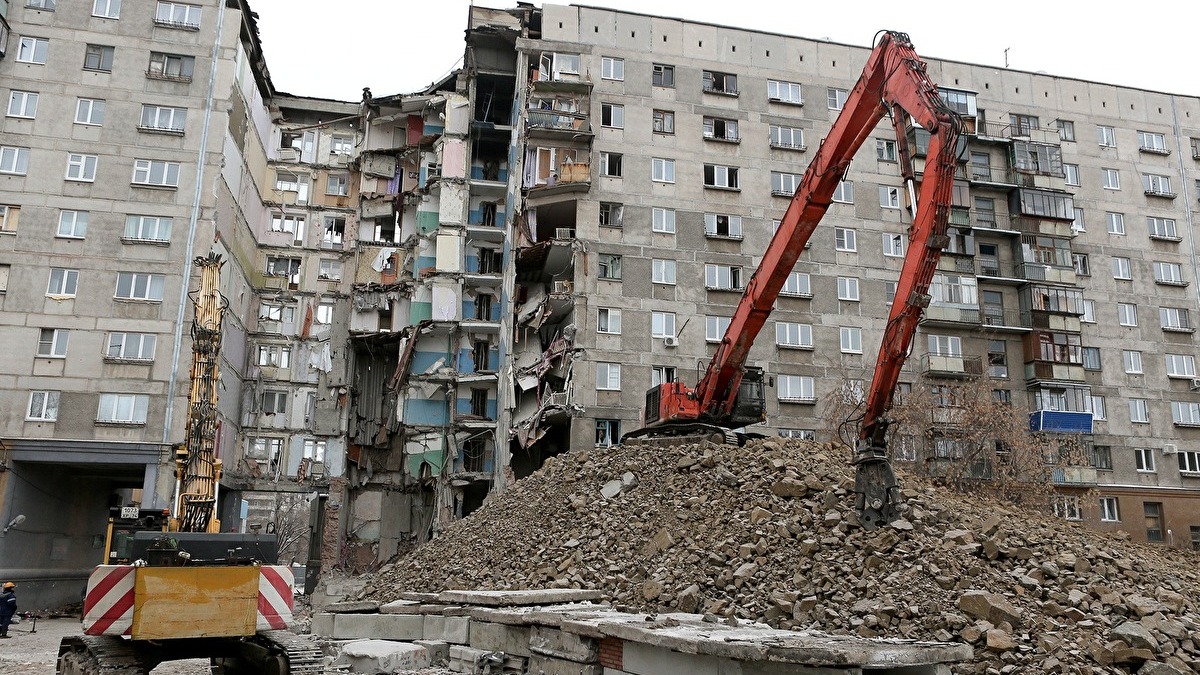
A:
[380,260]
[449,252]
[446,304]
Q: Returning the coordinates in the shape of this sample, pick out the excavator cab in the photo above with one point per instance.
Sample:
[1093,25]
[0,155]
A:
[750,405]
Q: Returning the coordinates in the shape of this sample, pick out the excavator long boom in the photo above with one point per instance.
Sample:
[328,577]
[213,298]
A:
[893,81]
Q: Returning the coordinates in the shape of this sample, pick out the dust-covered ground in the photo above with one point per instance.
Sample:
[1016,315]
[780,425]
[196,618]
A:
[34,653]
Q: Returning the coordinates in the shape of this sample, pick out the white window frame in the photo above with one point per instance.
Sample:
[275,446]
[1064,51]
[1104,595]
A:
[1115,222]
[722,277]
[144,171]
[1168,273]
[1180,365]
[662,220]
[72,224]
[889,197]
[274,356]
[14,160]
[1110,510]
[124,346]
[43,406]
[1071,174]
[163,118]
[337,184]
[944,345]
[782,91]
[148,228]
[785,183]
[850,338]
[81,167]
[1174,318]
[64,283]
[611,162]
[662,324]
[608,376]
[1067,507]
[608,321]
[1107,136]
[153,286]
[1133,361]
[732,223]
[847,288]
[1156,184]
[1189,461]
[835,98]
[324,313]
[662,375]
[795,389]
[56,346]
[329,269]
[662,271]
[1127,314]
[845,239]
[1089,311]
[793,335]
[1144,460]
[662,170]
[89,111]
[22,104]
[106,9]
[844,192]
[124,408]
[791,138]
[1121,269]
[724,177]
[885,150]
[612,68]
[894,245]
[1152,142]
[1110,179]
[172,18]
[1098,408]
[1139,411]
[1163,228]
[797,285]
[715,327]
[612,115]
[31,49]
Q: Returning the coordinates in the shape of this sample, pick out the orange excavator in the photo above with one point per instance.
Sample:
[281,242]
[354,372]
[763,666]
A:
[729,395]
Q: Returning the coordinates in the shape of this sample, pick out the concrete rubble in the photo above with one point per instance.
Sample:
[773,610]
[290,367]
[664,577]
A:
[767,534]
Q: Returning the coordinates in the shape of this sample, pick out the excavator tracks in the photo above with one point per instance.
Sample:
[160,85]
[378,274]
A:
[99,655]
[303,655]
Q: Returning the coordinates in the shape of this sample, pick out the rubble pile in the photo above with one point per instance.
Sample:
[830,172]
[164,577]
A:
[767,533]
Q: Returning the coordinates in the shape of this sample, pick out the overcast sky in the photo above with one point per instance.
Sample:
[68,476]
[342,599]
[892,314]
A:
[333,50]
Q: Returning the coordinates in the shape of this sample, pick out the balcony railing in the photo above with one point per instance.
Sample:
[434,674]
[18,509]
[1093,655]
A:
[1003,318]
[951,365]
[1061,421]
[990,174]
[990,267]
[1159,192]
[953,315]
[1075,475]
[542,119]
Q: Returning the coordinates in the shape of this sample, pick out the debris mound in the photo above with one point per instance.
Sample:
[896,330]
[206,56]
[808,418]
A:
[767,533]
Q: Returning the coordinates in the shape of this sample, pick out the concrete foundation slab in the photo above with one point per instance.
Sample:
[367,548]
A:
[545,665]
[548,596]
[373,657]
[495,637]
[538,615]
[379,626]
[556,644]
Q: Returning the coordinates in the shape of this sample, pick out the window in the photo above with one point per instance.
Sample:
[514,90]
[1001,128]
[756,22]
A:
[33,50]
[177,15]
[844,193]
[1107,136]
[799,434]
[324,314]
[43,406]
[610,266]
[341,145]
[1174,319]
[148,228]
[1189,461]
[662,324]
[612,115]
[720,128]
[662,271]
[945,345]
[1162,228]
[608,376]
[139,286]
[798,284]
[661,375]
[131,346]
[1022,125]
[1071,174]
[720,83]
[1116,222]
[1170,274]
[612,68]
[662,220]
[608,320]
[662,170]
[722,226]
[784,92]
[155,173]
[315,449]
[835,99]
[787,137]
[1185,414]
[611,214]
[1066,130]
[785,184]
[795,335]
[265,448]
[795,389]
[1133,361]
[889,197]
[851,339]
[1101,456]
[610,164]
[715,327]
[1091,358]
[287,223]
[1120,267]
[123,408]
[663,75]
[329,270]
[52,342]
[1153,512]
[108,9]
[664,122]
[1154,184]
[1111,179]
[1089,311]
[722,278]
[81,167]
[608,433]
[89,111]
[72,224]
[1151,142]
[885,150]
[997,358]
[337,184]
[63,282]
[1127,314]
[22,104]
[845,239]
[847,289]
[171,66]
[14,160]
[274,402]
[286,181]
[1067,507]
[1180,365]
[1139,413]
[718,176]
[1081,263]
[98,57]
[275,356]
[1097,406]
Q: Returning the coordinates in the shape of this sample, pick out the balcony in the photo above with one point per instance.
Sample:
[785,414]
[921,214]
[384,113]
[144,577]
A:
[941,365]
[961,263]
[993,175]
[1060,421]
[1004,319]
[988,266]
[548,123]
[1054,371]
[952,316]
[1158,191]
[1075,475]
[1042,226]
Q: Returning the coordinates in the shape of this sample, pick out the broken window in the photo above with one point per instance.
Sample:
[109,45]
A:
[1022,125]
[277,356]
[610,266]
[481,355]
[608,320]
[264,448]
[479,402]
[335,232]
[286,223]
[662,375]
[720,128]
[664,122]
[274,402]
[284,267]
[722,277]
[337,184]
[720,83]
[490,261]
[483,307]
[720,176]
[171,66]
[341,145]
[611,214]
[475,455]
[608,432]
[610,164]
[663,75]
[324,313]
[315,449]
[386,230]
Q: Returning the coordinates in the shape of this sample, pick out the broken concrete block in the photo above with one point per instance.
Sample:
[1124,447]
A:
[495,637]
[354,607]
[372,657]
[400,607]
[439,651]
[434,627]
[991,607]
[457,630]
[378,627]
[463,659]
[611,489]
[322,625]
[559,644]
[545,665]
[535,596]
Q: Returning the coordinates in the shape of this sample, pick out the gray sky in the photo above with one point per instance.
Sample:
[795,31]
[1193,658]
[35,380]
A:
[333,50]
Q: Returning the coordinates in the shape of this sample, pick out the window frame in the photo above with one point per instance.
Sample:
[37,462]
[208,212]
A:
[659,327]
[19,164]
[724,177]
[1121,268]
[1127,314]
[1106,136]
[171,22]
[608,266]
[611,371]
[52,343]
[612,115]
[609,65]
[147,168]
[662,75]
[152,283]
[663,121]
[77,224]
[845,240]
[121,342]
[662,170]
[47,408]
[112,9]
[63,282]
[663,271]
[101,58]
[95,108]
[850,339]
[611,164]
[664,224]
[608,320]
[804,386]
[780,86]
[78,167]
[28,107]
[34,43]
[848,289]
[803,335]
[835,98]
[138,404]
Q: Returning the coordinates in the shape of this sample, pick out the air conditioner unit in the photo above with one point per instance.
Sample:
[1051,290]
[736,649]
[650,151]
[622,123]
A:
[1170,449]
[564,233]
[671,341]
[1196,384]
[564,287]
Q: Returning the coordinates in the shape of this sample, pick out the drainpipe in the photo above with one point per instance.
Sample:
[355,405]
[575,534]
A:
[193,222]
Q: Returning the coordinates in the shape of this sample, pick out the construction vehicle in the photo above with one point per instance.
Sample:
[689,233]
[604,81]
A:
[729,394]
[192,591]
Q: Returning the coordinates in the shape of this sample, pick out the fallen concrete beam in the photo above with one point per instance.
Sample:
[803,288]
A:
[548,596]
[545,665]
[560,645]
[400,607]
[378,627]
[383,656]
[356,607]
[495,637]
